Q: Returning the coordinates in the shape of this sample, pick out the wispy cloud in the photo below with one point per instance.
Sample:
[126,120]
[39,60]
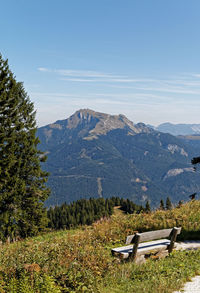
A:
[43,69]
[83,80]
[79,73]
[93,76]
[183,84]
[151,100]
[147,108]
[196,75]
[84,73]
[169,90]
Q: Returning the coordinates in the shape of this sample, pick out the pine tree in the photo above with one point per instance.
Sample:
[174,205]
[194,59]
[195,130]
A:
[147,207]
[162,207]
[22,182]
[168,204]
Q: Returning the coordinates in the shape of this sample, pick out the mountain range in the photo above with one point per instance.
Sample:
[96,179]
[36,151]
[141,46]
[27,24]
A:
[93,154]
[178,129]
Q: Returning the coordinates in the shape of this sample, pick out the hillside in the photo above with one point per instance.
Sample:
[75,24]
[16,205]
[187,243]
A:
[80,260]
[192,140]
[92,154]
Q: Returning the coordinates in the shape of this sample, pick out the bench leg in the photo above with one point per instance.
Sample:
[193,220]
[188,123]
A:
[173,239]
[135,246]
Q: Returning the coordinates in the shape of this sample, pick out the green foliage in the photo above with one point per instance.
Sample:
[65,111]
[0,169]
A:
[80,260]
[85,212]
[31,283]
[168,204]
[130,207]
[147,207]
[195,160]
[180,203]
[162,207]
[81,212]
[22,182]
[160,276]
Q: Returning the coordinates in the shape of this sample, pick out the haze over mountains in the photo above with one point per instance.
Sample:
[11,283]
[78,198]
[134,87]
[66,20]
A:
[179,129]
[93,154]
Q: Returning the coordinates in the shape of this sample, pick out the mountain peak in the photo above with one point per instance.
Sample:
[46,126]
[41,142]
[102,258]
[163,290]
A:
[88,125]
[102,123]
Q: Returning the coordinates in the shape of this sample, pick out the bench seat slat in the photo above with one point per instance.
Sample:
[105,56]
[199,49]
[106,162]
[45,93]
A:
[143,248]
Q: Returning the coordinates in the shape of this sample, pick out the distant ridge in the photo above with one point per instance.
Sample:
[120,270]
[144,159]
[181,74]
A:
[179,129]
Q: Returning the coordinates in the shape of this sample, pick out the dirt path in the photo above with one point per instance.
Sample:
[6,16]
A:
[188,245]
[191,287]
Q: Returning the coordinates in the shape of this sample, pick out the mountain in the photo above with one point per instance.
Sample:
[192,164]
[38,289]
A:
[179,129]
[189,133]
[93,154]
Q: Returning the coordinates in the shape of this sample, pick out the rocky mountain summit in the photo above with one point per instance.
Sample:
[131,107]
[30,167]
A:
[89,124]
[93,154]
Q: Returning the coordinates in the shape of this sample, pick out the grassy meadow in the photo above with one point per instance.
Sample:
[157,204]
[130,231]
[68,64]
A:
[80,260]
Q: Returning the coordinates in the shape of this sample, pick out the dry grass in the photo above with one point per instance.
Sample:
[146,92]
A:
[81,259]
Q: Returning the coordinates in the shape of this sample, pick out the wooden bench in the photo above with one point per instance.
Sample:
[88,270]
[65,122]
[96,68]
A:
[141,243]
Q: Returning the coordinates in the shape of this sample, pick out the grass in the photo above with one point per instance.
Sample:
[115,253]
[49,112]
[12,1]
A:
[80,260]
[164,276]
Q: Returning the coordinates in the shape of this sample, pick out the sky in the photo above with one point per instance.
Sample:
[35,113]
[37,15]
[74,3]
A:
[140,58]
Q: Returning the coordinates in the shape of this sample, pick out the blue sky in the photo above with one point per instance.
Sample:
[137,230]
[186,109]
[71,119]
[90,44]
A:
[140,58]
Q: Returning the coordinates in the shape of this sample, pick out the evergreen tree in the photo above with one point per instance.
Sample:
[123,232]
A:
[22,182]
[162,207]
[147,207]
[168,204]
[180,203]
[85,212]
[195,161]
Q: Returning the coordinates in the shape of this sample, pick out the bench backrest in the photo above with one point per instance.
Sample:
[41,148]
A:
[152,235]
